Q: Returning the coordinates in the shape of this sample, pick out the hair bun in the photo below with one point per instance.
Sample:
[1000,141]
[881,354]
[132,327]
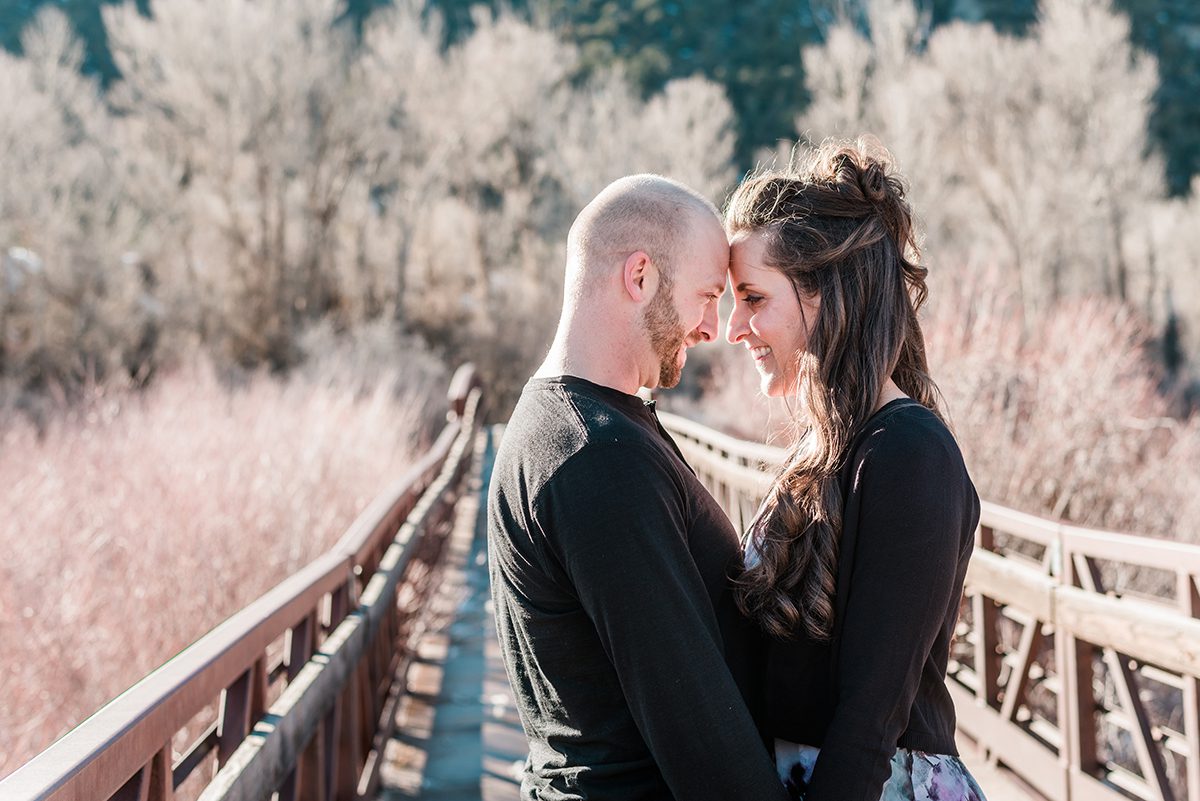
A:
[863,170]
[873,182]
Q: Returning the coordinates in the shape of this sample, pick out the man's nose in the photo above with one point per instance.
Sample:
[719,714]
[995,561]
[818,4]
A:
[710,326]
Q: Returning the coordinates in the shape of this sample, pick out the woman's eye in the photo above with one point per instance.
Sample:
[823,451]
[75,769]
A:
[752,300]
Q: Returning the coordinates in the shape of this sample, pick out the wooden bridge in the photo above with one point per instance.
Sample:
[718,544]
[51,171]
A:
[374,672]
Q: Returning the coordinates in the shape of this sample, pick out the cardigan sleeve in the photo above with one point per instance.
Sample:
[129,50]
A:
[911,499]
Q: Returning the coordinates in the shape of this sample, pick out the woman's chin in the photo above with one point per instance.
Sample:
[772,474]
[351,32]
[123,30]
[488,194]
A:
[769,385]
[774,386]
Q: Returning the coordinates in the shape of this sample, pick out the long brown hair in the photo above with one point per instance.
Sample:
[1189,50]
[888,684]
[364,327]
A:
[838,225]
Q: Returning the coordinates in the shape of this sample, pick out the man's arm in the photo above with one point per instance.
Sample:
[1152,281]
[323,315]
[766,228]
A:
[616,519]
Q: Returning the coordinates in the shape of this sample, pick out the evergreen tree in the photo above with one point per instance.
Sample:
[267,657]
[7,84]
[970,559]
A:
[1170,29]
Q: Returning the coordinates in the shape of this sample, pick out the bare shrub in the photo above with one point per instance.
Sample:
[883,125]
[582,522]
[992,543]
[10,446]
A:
[1061,414]
[686,132]
[137,521]
[253,112]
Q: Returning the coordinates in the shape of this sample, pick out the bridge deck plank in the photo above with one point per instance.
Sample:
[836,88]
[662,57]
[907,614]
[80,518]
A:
[458,737]
[998,784]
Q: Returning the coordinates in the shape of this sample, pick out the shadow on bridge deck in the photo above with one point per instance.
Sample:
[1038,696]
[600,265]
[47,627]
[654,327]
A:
[458,737]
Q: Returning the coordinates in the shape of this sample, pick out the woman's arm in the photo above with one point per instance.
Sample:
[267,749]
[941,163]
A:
[914,501]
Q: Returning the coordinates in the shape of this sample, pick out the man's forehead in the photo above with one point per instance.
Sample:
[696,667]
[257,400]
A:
[707,253]
[706,274]
[715,275]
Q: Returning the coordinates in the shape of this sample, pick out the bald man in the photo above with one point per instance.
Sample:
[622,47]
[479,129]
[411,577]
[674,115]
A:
[610,563]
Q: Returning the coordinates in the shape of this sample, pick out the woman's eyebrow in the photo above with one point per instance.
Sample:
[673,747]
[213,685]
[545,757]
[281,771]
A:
[742,287]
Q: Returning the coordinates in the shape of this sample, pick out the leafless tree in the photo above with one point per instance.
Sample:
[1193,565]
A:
[254,112]
[73,289]
[1029,152]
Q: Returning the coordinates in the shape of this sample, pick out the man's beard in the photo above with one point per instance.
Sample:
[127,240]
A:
[661,322]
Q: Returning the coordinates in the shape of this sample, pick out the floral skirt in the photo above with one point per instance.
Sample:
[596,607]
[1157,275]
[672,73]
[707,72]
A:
[916,776]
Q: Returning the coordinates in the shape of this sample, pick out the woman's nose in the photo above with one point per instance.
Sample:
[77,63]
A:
[737,329]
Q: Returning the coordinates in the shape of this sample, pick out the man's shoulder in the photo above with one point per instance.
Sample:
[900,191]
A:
[558,420]
[553,425]
[544,427]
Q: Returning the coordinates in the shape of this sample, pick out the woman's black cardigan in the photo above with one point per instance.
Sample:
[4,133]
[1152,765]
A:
[907,533]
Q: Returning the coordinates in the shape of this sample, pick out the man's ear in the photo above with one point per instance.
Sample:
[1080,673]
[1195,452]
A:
[639,276]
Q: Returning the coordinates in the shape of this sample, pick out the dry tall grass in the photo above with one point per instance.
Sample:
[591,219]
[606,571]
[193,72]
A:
[135,522]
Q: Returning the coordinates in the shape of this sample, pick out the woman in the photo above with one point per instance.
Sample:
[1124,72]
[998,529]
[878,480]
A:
[856,561]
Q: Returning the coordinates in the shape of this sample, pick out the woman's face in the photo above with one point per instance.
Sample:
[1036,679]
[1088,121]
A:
[767,317]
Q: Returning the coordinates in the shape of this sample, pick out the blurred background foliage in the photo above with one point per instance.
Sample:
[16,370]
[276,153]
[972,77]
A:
[751,49]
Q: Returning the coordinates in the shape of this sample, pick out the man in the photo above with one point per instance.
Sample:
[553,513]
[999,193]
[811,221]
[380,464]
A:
[609,560]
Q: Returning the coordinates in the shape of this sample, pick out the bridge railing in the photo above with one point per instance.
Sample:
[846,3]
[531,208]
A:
[301,678]
[1077,660]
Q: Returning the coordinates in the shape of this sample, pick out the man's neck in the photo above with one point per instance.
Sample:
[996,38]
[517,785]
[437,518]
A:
[593,359]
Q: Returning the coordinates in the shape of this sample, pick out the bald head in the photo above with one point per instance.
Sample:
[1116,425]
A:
[646,267]
[645,212]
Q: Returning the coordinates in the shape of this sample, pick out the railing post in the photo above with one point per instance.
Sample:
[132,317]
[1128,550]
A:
[365,702]
[339,602]
[1189,602]
[235,720]
[1077,699]
[301,645]
[259,682]
[152,783]
[310,769]
[465,379]
[161,786]
[349,742]
[985,614]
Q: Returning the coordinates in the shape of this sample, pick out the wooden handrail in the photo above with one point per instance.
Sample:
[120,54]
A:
[747,452]
[124,750]
[1042,614]
[319,695]
[370,533]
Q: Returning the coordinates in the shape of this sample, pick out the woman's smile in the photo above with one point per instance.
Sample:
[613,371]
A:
[768,317]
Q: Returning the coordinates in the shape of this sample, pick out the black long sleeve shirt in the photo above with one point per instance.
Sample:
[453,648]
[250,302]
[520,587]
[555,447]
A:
[907,533]
[610,568]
